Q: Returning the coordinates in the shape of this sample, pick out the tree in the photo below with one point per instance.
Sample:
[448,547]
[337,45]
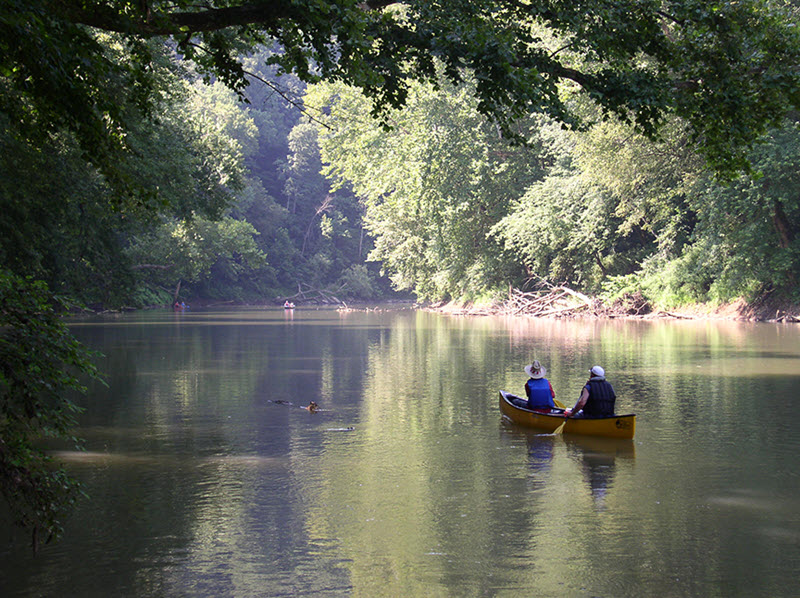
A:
[66,224]
[40,363]
[747,238]
[665,227]
[727,67]
[91,140]
[179,252]
[433,186]
[68,212]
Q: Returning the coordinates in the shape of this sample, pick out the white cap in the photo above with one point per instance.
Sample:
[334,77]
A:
[597,371]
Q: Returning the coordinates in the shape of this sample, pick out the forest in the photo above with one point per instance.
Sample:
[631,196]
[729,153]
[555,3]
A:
[249,151]
[201,186]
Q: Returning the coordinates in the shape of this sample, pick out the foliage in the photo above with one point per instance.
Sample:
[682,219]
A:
[357,283]
[734,240]
[753,224]
[726,67]
[563,229]
[433,186]
[124,178]
[190,251]
[325,224]
[613,200]
[605,209]
[65,223]
[41,363]
[49,198]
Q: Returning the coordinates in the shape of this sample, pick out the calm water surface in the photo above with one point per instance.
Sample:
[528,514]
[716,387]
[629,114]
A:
[204,482]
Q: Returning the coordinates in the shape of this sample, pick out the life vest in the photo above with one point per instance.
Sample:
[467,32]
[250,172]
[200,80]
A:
[601,398]
[539,396]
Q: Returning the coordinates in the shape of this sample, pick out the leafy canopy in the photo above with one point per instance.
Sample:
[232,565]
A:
[727,67]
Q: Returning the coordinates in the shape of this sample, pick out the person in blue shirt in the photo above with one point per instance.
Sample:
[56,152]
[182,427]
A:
[538,389]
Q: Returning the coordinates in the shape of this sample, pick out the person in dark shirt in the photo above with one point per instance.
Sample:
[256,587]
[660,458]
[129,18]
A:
[597,396]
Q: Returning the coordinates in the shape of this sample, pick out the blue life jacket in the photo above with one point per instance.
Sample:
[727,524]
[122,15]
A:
[601,398]
[539,396]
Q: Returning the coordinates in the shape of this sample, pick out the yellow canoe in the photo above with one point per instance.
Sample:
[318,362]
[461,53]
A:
[613,426]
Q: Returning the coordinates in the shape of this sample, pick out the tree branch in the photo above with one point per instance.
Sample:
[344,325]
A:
[154,21]
[299,105]
[151,267]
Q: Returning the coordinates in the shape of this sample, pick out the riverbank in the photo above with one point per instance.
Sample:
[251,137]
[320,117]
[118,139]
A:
[564,303]
[555,303]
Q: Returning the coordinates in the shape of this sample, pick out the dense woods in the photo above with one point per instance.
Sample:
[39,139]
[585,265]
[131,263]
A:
[251,151]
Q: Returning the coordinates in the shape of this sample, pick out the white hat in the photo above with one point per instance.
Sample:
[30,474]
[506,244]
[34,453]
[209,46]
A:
[597,371]
[535,370]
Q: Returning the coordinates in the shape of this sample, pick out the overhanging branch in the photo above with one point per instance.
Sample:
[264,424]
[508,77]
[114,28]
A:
[153,21]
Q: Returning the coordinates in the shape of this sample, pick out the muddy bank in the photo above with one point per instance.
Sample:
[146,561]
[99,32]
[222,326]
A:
[564,303]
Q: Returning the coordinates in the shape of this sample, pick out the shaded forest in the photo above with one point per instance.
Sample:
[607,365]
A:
[224,200]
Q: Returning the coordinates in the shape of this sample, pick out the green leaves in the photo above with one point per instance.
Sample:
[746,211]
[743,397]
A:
[189,251]
[727,67]
[41,364]
[433,186]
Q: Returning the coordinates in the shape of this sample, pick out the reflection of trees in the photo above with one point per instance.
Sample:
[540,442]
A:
[408,488]
[412,494]
[430,490]
[196,451]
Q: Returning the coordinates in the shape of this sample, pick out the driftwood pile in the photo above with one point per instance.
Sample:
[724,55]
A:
[557,301]
[563,302]
[547,301]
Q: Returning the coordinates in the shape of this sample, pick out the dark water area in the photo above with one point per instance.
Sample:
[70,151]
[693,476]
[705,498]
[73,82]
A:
[206,477]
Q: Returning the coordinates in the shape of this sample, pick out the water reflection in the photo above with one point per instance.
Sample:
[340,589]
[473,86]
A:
[407,482]
[597,458]
[540,457]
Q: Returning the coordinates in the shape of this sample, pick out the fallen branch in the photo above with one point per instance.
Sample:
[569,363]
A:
[678,316]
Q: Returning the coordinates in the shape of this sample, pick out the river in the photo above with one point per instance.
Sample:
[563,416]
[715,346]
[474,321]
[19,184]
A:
[207,478]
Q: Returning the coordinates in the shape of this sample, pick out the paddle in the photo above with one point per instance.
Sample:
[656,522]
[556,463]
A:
[560,428]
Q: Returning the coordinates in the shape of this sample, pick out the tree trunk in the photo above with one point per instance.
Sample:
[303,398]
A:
[782,225]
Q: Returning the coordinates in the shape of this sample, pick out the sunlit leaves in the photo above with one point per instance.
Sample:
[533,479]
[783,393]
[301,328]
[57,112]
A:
[433,185]
[755,222]
[188,251]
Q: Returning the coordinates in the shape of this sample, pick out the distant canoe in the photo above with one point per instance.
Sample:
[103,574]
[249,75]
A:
[288,306]
[613,426]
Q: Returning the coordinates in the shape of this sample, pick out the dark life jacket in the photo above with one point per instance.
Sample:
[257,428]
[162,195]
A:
[601,399]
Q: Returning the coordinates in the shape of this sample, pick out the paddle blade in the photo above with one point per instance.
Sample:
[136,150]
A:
[560,428]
